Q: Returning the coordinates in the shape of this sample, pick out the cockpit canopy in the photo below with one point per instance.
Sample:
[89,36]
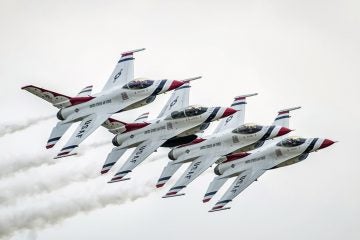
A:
[291,142]
[248,129]
[139,84]
[189,112]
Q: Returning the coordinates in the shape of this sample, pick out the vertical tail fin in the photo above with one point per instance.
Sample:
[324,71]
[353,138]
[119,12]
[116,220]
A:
[282,119]
[238,118]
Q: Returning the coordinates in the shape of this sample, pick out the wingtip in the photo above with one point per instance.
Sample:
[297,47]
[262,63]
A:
[160,185]
[206,200]
[64,155]
[119,180]
[50,146]
[173,195]
[215,209]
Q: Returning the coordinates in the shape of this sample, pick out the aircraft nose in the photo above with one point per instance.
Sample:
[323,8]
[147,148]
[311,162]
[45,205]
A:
[228,111]
[175,84]
[326,143]
[283,131]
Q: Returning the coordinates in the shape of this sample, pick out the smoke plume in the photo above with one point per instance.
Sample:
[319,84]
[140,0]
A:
[49,209]
[15,164]
[15,127]
[48,178]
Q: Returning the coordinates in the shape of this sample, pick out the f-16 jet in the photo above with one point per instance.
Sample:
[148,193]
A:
[248,168]
[121,93]
[231,136]
[177,123]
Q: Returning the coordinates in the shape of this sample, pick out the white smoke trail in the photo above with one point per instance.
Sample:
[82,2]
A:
[23,163]
[48,178]
[15,127]
[49,209]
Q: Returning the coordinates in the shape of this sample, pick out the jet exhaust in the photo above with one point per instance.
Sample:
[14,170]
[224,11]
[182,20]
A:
[15,127]
[49,209]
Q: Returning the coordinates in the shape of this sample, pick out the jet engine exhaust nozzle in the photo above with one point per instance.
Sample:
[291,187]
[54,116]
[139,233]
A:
[115,142]
[171,155]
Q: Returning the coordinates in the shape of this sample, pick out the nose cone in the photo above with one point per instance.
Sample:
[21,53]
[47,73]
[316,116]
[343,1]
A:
[326,143]
[228,112]
[175,84]
[283,131]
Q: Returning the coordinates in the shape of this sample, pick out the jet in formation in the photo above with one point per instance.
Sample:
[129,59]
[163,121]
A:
[241,151]
[245,169]
[230,136]
[121,93]
[176,124]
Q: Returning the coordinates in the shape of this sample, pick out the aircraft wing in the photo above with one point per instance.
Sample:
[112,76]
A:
[140,153]
[56,133]
[197,167]
[112,158]
[237,118]
[167,173]
[87,126]
[179,99]
[240,184]
[124,70]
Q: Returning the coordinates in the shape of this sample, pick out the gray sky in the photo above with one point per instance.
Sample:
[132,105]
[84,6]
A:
[291,52]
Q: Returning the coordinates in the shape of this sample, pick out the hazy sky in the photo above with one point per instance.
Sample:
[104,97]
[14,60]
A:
[292,53]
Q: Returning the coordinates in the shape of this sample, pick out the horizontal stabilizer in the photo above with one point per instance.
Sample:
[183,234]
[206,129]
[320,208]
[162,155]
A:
[56,99]
[114,126]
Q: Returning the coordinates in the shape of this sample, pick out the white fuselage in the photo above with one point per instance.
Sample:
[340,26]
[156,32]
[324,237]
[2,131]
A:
[167,127]
[269,157]
[113,101]
[223,143]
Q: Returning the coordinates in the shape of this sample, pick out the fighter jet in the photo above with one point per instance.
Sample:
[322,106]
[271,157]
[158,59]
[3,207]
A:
[248,168]
[230,136]
[121,93]
[177,122]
